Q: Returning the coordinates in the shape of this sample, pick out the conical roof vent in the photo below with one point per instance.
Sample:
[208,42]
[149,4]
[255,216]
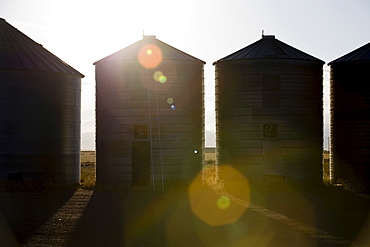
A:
[360,54]
[167,52]
[268,48]
[19,52]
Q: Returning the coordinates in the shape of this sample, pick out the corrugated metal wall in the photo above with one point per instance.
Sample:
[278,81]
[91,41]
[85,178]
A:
[350,123]
[140,113]
[40,125]
[269,118]
[40,112]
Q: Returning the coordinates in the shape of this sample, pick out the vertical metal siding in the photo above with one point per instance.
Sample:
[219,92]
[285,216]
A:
[40,125]
[269,118]
[40,111]
[350,121]
[122,92]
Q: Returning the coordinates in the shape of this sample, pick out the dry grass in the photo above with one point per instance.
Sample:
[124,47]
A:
[212,180]
[355,186]
[326,172]
[88,175]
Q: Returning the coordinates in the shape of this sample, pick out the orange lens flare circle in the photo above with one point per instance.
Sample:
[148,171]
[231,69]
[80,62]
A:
[212,195]
[150,56]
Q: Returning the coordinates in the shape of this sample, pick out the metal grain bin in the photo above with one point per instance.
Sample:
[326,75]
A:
[40,108]
[149,116]
[350,118]
[269,113]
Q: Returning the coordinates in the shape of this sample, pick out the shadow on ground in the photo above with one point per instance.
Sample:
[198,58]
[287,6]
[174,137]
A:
[132,219]
[331,209]
[22,213]
[142,218]
[166,219]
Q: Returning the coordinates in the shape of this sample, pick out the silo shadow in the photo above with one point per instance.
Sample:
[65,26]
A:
[23,213]
[128,218]
[101,223]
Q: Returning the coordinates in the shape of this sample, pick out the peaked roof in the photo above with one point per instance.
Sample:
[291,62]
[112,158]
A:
[360,54]
[19,52]
[268,47]
[131,52]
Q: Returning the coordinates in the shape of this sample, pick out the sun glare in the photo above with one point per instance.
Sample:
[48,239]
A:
[150,56]
[212,192]
[223,202]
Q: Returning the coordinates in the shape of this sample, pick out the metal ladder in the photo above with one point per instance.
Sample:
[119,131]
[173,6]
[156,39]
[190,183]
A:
[155,137]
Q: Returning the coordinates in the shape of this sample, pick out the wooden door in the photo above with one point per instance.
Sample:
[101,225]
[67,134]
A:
[140,164]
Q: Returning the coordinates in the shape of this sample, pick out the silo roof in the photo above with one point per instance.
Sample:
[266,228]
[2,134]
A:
[268,47]
[19,52]
[131,52]
[360,54]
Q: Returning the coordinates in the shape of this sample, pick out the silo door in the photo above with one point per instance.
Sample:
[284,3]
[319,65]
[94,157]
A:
[272,157]
[140,164]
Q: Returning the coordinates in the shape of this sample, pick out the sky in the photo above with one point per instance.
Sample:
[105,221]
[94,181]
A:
[81,32]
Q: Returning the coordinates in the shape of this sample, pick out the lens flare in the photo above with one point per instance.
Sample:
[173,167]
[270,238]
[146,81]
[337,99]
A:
[170,101]
[223,202]
[173,107]
[162,79]
[157,75]
[150,56]
[212,195]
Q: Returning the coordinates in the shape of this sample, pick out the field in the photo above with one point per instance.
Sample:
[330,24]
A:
[87,156]
[88,169]
[88,166]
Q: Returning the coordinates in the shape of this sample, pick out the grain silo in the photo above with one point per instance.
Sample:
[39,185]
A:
[149,116]
[40,108]
[269,113]
[350,118]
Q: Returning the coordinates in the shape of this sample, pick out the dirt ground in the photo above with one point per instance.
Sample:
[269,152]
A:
[325,217]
